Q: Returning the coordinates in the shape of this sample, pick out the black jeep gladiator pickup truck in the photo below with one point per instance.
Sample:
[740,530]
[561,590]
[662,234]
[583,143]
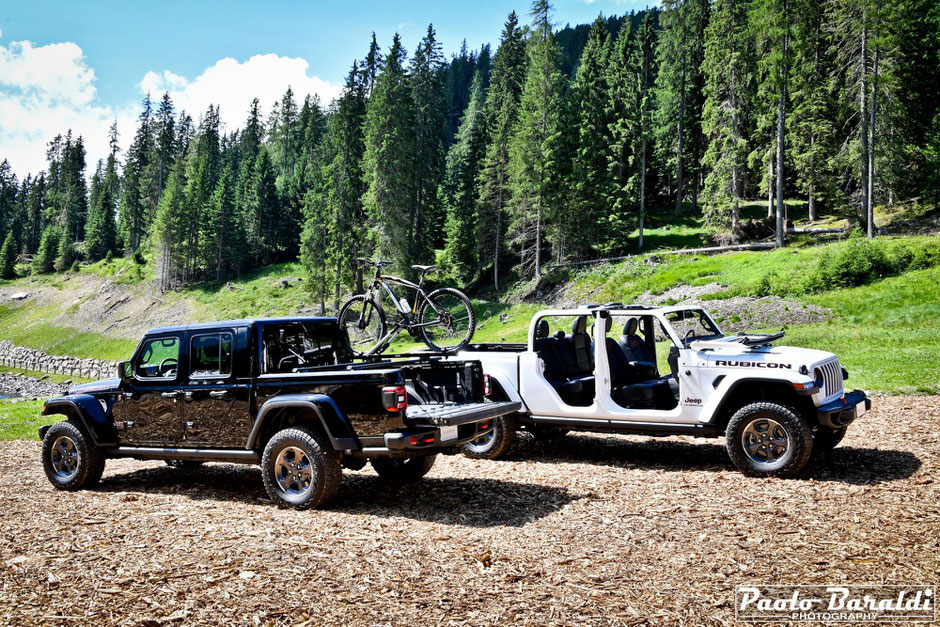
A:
[281,392]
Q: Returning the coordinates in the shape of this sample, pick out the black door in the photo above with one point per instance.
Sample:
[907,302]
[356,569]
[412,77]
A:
[215,405]
[151,407]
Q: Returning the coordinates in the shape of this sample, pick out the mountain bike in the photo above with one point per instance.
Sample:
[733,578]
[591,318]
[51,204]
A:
[443,319]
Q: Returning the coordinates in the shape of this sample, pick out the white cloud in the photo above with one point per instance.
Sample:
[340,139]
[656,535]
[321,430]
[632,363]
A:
[46,90]
[232,85]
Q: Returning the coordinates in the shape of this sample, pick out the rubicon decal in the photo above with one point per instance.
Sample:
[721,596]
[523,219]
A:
[752,364]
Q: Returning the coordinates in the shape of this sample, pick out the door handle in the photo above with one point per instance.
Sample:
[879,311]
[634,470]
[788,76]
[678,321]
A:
[170,395]
[221,394]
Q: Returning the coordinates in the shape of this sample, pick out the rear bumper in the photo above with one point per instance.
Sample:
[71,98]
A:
[844,411]
[445,426]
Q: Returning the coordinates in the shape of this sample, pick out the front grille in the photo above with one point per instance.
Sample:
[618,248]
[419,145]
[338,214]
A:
[832,378]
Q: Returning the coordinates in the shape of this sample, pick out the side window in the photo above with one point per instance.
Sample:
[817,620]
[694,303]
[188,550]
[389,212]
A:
[210,355]
[159,359]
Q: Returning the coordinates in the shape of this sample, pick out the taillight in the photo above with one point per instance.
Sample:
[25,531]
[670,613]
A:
[395,399]
[487,385]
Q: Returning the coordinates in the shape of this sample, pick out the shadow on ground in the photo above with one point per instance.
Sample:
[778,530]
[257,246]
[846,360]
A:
[472,502]
[859,466]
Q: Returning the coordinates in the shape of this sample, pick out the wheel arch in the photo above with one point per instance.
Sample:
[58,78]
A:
[84,409]
[317,411]
[745,391]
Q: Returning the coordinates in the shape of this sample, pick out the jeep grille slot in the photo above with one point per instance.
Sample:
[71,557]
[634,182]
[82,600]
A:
[832,376]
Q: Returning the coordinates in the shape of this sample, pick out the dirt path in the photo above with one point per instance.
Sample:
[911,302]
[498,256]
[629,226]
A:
[594,529]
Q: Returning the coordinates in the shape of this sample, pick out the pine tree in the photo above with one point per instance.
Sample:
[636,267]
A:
[533,147]
[135,212]
[45,256]
[463,163]
[430,122]
[35,211]
[8,258]
[679,88]
[100,230]
[372,66]
[169,229]
[8,192]
[262,209]
[165,144]
[586,229]
[726,75]
[500,114]
[221,239]
[389,160]
[65,255]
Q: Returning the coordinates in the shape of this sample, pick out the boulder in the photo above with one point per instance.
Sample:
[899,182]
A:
[19,296]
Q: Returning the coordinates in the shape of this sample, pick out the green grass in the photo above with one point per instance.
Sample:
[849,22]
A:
[254,295]
[20,420]
[51,378]
[19,325]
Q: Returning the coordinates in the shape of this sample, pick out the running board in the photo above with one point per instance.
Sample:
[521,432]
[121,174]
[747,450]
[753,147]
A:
[233,456]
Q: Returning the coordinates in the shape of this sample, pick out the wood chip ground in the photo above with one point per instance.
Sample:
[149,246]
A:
[590,530]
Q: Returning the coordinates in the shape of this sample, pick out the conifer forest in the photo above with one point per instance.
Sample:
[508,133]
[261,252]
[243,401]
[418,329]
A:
[549,145]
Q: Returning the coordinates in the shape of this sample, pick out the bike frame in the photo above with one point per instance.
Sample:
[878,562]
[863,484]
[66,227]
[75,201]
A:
[405,321]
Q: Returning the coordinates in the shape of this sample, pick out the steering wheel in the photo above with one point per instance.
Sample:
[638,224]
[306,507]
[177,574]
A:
[169,360]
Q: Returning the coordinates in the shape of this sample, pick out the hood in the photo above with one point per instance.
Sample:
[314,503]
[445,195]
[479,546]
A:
[105,385]
[743,356]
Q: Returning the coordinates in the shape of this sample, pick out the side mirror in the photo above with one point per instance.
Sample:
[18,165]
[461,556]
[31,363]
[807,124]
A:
[124,370]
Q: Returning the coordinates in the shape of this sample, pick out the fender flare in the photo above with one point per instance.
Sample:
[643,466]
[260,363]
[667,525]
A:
[726,391]
[337,428]
[85,408]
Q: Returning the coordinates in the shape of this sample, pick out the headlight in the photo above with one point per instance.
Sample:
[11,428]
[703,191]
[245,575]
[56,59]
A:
[818,376]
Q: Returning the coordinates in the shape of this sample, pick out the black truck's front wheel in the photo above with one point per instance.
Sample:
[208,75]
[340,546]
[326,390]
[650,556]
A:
[403,470]
[298,469]
[69,457]
[496,443]
[769,439]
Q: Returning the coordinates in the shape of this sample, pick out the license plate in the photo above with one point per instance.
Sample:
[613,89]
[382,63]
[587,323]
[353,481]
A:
[448,434]
[860,409]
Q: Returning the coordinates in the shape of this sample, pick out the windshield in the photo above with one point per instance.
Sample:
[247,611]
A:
[693,324]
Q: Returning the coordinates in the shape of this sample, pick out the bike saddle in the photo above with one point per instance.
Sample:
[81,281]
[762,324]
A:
[424,268]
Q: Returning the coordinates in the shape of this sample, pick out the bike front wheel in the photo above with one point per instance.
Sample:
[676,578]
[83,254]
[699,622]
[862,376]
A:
[447,320]
[362,324]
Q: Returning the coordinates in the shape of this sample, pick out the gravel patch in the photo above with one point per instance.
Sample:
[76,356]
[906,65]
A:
[593,529]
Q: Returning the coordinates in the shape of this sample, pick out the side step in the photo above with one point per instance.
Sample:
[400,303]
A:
[232,456]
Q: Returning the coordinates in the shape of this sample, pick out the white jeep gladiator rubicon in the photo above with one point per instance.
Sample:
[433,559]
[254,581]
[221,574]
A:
[668,371]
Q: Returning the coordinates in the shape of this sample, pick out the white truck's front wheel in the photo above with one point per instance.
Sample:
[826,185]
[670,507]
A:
[769,439]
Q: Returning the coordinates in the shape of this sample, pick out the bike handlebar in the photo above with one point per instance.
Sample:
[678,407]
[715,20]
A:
[377,264]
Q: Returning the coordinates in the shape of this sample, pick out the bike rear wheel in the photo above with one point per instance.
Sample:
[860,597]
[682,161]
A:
[364,324]
[447,320]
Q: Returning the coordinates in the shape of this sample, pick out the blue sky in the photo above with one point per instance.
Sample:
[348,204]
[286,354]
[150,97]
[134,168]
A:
[66,64]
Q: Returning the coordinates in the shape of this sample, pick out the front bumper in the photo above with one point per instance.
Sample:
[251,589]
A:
[433,437]
[844,411]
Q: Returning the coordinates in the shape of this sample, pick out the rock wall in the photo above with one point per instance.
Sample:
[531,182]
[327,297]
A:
[31,359]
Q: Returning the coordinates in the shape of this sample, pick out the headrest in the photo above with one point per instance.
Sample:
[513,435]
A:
[541,329]
[580,325]
[630,328]
[608,323]
[559,334]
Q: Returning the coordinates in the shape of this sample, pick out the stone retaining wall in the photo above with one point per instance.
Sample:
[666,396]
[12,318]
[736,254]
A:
[31,359]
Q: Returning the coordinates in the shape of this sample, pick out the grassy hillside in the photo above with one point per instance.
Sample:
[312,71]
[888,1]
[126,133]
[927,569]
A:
[884,298]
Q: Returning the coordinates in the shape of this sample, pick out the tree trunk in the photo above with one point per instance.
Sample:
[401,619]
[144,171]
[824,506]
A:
[642,190]
[681,148]
[781,116]
[770,186]
[863,127]
[812,204]
[871,133]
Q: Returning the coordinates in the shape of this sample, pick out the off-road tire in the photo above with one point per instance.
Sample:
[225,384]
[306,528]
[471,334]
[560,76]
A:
[184,464]
[307,448]
[65,470]
[546,434]
[407,470]
[495,445]
[752,421]
[825,439]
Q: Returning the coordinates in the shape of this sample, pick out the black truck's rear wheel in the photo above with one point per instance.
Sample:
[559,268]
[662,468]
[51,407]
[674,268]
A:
[298,469]
[769,439]
[496,443]
[403,470]
[70,458]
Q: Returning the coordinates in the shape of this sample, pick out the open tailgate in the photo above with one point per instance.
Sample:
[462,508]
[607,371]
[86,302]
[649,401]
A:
[451,414]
